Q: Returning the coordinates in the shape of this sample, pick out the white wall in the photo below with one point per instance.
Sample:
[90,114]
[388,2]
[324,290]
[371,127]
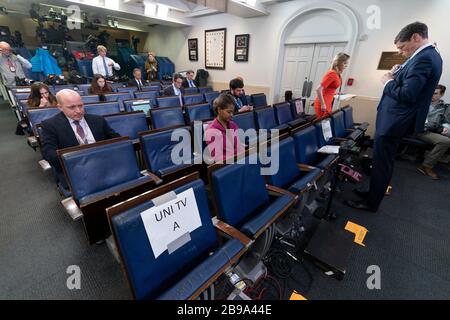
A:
[265,32]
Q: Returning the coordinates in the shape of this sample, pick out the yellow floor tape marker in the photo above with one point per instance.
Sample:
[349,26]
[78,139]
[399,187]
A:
[297,296]
[359,231]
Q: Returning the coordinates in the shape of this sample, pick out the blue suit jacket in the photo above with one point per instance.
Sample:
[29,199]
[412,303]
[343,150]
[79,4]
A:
[403,108]
[58,134]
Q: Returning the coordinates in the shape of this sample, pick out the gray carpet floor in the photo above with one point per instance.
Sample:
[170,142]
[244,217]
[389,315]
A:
[408,238]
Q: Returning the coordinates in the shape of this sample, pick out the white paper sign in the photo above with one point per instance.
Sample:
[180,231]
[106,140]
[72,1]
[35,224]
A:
[21,90]
[140,102]
[169,221]
[329,149]
[326,130]
[299,106]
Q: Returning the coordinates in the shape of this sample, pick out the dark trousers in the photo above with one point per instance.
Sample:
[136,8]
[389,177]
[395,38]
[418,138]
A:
[384,150]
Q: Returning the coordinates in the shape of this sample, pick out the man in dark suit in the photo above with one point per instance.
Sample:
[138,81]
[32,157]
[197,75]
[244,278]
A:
[176,88]
[189,82]
[137,80]
[403,107]
[71,127]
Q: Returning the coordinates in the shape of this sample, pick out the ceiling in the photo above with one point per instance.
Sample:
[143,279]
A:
[140,15]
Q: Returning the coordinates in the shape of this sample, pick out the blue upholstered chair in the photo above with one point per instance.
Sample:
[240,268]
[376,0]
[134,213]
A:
[99,175]
[245,121]
[199,112]
[243,201]
[259,100]
[265,119]
[189,266]
[37,115]
[190,90]
[168,102]
[284,115]
[210,96]
[289,175]
[193,98]
[204,89]
[90,99]
[306,146]
[167,117]
[157,149]
[103,109]
[128,123]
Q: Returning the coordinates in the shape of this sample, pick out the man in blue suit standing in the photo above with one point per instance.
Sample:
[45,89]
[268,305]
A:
[403,107]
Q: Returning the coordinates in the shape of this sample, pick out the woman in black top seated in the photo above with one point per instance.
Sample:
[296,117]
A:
[40,96]
[100,86]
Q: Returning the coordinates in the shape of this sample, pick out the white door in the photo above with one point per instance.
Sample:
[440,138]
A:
[322,60]
[297,67]
[307,62]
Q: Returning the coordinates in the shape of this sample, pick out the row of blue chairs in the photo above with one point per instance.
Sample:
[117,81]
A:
[22,93]
[241,195]
[160,117]
[126,99]
[116,172]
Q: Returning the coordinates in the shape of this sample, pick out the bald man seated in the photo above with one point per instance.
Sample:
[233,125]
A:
[71,127]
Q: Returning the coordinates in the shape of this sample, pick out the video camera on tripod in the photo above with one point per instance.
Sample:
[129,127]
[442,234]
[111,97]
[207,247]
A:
[23,81]
[54,79]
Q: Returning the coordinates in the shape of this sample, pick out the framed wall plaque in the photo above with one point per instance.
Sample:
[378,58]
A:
[193,49]
[215,46]
[389,59]
[241,45]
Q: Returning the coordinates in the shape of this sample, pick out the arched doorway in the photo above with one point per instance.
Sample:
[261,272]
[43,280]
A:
[308,41]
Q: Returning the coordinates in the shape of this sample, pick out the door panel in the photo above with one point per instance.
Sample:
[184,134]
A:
[297,67]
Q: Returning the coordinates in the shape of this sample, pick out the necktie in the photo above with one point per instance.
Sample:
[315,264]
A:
[191,84]
[401,67]
[139,85]
[106,67]
[239,103]
[80,131]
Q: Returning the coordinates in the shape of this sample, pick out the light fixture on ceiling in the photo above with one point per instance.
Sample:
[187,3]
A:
[150,8]
[163,11]
[112,4]
[249,2]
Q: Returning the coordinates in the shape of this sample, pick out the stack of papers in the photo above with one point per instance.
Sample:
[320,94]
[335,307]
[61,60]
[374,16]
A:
[329,149]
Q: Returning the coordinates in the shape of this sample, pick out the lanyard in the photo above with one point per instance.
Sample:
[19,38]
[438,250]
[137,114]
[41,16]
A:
[11,65]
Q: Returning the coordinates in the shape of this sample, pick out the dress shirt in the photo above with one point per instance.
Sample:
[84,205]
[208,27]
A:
[87,131]
[98,68]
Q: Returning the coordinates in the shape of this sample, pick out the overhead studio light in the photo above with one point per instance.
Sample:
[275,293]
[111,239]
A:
[150,8]
[163,11]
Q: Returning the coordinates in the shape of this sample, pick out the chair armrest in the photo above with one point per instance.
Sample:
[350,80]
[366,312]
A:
[350,130]
[33,142]
[154,177]
[305,167]
[45,166]
[72,208]
[231,231]
[278,191]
